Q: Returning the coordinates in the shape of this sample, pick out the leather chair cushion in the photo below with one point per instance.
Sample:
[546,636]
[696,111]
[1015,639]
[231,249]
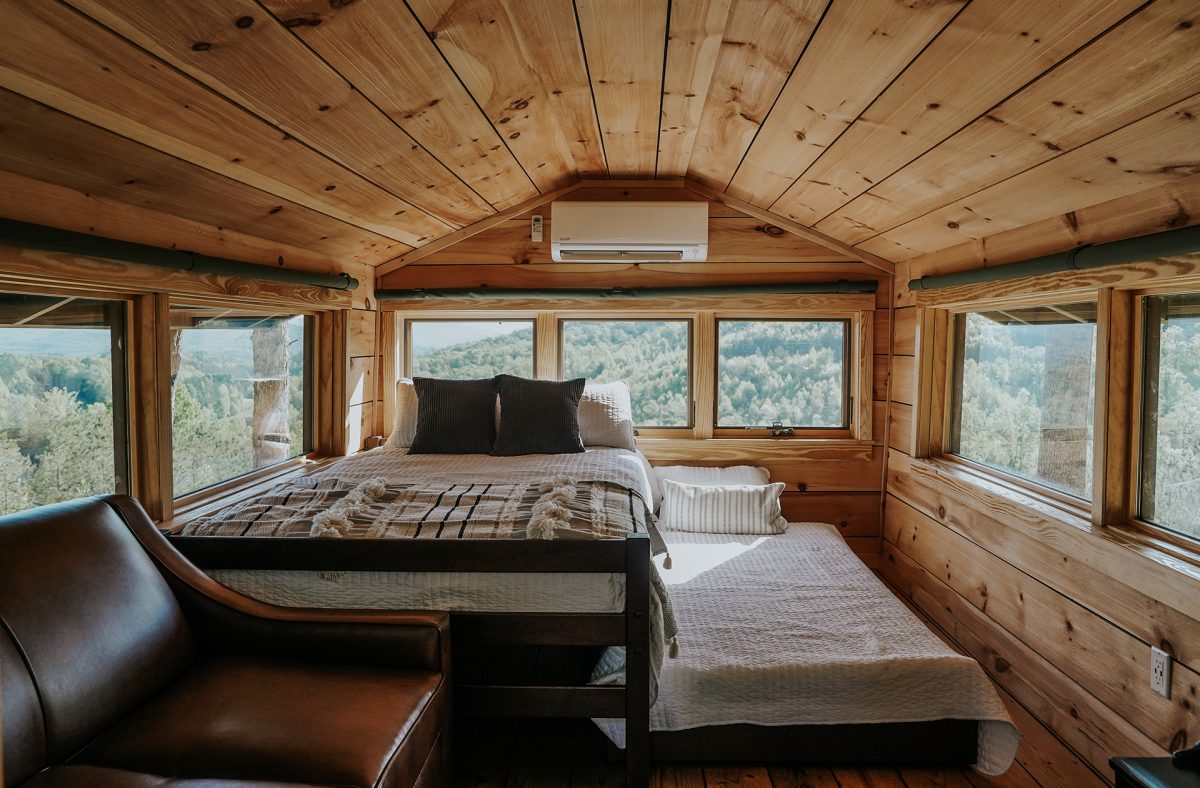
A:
[258,719]
[99,626]
[23,729]
[98,777]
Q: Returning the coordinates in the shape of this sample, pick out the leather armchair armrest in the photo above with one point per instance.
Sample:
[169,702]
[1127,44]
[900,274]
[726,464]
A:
[224,620]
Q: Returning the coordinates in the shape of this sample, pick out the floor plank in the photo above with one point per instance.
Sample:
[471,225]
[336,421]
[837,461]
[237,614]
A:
[736,776]
[802,777]
[869,778]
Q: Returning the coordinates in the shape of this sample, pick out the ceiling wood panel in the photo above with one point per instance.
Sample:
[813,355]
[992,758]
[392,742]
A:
[44,144]
[482,44]
[763,40]
[991,49]
[1113,166]
[55,55]
[390,133]
[383,51]
[1059,112]
[239,50]
[696,30]
[624,41]
[859,48]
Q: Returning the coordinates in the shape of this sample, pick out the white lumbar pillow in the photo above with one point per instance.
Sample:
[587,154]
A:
[707,477]
[606,415]
[404,429]
[724,509]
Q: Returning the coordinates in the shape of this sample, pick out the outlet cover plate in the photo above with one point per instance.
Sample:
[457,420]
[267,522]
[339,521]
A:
[1160,672]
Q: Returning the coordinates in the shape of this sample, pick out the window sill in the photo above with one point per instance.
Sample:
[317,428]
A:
[760,448]
[208,500]
[1126,554]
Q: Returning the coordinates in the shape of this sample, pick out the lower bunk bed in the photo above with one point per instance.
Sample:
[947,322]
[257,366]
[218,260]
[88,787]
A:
[789,648]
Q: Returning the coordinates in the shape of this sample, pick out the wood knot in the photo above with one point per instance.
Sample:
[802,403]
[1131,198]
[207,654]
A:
[330,187]
[244,22]
[336,4]
[770,230]
[1001,665]
[952,225]
[941,512]
[1179,741]
[301,21]
[514,135]
[276,209]
[201,46]
[522,104]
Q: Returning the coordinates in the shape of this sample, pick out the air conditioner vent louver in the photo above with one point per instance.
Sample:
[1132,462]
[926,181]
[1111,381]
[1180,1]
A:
[629,232]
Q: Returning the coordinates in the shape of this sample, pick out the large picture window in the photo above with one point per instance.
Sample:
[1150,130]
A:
[650,355]
[793,373]
[1024,393]
[470,348]
[1170,467]
[62,399]
[240,393]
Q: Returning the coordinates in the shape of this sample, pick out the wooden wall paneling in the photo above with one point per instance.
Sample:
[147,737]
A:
[482,43]
[704,374]
[360,425]
[904,379]
[563,70]
[1065,108]
[386,54]
[1069,574]
[361,333]
[1153,210]
[730,240]
[696,30]
[858,49]
[64,60]
[768,305]
[1115,165]
[387,350]
[1114,432]
[266,69]
[864,334]
[931,100]
[931,397]
[1106,661]
[900,422]
[361,384]
[882,369]
[904,342]
[47,145]
[883,330]
[879,422]
[623,41]
[149,376]
[853,514]
[762,43]
[38,202]
[664,188]
[332,363]
[545,346]
[1083,723]
[74,273]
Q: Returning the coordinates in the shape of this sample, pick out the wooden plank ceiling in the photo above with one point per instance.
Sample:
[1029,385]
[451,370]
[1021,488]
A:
[362,130]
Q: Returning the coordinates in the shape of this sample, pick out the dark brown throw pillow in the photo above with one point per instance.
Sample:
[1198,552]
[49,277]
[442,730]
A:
[454,416]
[538,416]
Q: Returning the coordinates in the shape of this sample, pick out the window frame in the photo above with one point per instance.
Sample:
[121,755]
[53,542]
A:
[406,342]
[843,430]
[118,311]
[648,430]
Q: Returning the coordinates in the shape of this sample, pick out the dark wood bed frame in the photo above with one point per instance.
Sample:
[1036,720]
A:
[629,556]
[940,742]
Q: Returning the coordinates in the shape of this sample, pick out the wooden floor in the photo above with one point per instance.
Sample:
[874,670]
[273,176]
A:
[574,753]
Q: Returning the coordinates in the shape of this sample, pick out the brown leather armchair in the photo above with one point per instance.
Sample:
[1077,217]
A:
[124,665]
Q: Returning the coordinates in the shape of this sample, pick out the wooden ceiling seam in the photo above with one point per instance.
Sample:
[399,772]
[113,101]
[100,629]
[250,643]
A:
[662,85]
[587,70]
[367,98]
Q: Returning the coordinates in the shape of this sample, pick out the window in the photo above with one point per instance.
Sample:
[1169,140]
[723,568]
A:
[1024,392]
[62,399]
[470,348]
[788,372]
[1170,467]
[240,394]
[650,355]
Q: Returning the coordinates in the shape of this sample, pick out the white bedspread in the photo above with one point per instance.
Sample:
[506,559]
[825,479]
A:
[795,630]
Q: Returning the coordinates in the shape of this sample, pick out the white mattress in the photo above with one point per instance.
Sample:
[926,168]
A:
[794,630]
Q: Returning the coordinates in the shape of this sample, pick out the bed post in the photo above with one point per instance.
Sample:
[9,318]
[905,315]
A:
[637,660]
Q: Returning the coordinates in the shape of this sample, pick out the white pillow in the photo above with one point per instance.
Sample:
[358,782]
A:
[404,428]
[707,477]
[730,509]
[606,415]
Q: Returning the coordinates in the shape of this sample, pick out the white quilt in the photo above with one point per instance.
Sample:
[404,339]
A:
[794,630]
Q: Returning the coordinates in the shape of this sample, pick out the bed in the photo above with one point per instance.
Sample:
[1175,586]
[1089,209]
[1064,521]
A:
[791,649]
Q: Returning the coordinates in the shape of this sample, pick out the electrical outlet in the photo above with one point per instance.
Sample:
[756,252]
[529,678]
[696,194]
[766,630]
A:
[1160,672]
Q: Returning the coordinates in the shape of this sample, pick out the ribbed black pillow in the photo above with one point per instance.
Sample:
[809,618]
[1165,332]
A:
[538,416]
[454,416]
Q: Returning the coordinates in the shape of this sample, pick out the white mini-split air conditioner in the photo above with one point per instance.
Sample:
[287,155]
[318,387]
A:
[629,232]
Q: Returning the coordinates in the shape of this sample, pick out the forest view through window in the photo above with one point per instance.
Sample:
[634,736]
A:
[650,355]
[1170,485]
[239,394]
[788,372]
[1024,393]
[470,349]
[62,399]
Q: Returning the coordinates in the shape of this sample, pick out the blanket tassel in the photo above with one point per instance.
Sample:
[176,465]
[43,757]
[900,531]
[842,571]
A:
[667,561]
[673,648]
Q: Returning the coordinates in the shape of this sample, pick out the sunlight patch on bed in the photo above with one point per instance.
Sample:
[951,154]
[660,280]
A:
[689,561]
